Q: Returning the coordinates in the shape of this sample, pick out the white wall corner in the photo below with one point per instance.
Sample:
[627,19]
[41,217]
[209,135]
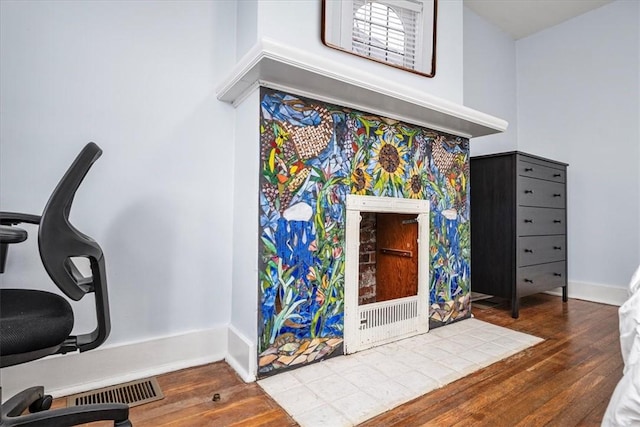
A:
[243,332]
[241,355]
[63,375]
[604,294]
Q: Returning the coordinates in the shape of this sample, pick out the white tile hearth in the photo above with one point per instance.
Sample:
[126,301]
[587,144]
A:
[347,390]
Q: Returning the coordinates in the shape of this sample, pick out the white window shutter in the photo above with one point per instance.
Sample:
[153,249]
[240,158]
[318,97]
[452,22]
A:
[387,30]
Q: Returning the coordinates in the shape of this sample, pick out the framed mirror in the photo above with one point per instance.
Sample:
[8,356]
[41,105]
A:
[399,33]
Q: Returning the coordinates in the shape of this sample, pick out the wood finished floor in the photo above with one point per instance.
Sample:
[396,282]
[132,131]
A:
[564,381]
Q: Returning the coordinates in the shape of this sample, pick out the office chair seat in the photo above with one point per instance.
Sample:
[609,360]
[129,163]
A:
[32,320]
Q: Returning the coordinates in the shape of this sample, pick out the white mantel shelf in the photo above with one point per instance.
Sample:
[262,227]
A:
[283,67]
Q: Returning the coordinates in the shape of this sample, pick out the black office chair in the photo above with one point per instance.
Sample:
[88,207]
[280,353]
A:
[35,324]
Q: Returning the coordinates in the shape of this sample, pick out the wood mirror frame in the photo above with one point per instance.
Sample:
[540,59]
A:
[428,69]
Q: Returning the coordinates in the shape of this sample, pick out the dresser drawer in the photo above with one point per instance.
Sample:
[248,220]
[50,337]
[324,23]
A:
[540,249]
[536,192]
[540,221]
[535,170]
[539,278]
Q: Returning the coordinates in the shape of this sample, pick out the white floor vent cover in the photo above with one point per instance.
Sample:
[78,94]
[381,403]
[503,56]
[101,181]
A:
[387,321]
[133,393]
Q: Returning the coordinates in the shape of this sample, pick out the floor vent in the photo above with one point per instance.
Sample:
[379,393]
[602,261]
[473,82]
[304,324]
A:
[133,393]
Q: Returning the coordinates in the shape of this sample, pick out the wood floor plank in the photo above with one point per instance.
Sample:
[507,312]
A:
[549,378]
[566,380]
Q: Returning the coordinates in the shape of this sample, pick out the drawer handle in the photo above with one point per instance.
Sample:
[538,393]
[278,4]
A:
[557,248]
[557,195]
[557,274]
[528,191]
[556,221]
[528,281]
[529,251]
[397,252]
[528,169]
[557,175]
[528,221]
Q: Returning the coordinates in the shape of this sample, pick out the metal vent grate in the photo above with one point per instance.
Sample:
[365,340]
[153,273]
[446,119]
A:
[133,393]
[386,321]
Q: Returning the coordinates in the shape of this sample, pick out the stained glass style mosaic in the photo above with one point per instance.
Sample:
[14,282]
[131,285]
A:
[312,155]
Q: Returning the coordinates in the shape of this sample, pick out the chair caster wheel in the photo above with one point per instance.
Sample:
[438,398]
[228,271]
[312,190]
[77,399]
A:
[42,404]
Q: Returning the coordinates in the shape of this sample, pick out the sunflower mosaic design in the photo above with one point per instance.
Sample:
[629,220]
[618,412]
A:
[389,162]
[361,179]
[415,185]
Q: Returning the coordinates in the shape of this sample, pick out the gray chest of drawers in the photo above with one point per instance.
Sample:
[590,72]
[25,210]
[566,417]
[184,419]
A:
[518,226]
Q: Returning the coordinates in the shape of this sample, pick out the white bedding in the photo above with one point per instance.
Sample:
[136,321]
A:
[624,406]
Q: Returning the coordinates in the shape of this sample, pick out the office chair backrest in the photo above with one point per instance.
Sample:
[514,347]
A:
[59,241]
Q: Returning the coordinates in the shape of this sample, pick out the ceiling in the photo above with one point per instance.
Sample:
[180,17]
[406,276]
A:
[521,18]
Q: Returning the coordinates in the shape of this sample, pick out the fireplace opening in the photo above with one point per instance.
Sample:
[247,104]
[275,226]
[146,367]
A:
[387,270]
[388,257]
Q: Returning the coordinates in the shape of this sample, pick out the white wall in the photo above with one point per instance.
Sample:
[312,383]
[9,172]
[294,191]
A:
[297,23]
[490,80]
[246,26]
[578,86]
[139,79]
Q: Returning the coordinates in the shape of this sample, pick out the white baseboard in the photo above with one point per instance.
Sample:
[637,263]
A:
[241,355]
[63,375]
[605,294]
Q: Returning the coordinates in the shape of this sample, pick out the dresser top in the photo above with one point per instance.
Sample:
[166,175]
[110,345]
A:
[521,154]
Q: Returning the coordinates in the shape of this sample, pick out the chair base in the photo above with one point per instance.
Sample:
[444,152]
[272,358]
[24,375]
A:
[63,417]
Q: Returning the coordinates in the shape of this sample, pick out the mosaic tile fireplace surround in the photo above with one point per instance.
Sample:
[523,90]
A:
[312,154]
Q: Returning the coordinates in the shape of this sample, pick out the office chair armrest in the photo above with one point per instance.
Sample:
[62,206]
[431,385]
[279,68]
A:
[10,234]
[14,218]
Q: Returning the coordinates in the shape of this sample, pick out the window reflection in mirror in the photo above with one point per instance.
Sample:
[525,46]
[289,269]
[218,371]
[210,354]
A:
[400,33]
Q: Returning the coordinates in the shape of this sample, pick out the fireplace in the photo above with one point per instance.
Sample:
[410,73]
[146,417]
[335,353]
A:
[331,141]
[401,270]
